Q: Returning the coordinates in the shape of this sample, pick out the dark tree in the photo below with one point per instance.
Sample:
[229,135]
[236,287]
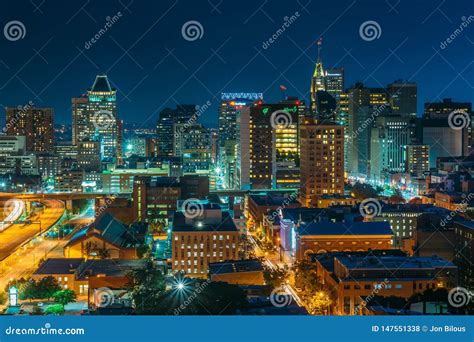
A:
[201,297]
[46,287]
[274,276]
[361,191]
[147,285]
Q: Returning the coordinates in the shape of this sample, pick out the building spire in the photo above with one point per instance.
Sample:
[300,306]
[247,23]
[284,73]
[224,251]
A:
[318,79]
[320,44]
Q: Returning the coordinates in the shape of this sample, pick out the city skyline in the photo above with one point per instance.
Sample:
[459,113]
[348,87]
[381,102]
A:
[339,180]
[154,67]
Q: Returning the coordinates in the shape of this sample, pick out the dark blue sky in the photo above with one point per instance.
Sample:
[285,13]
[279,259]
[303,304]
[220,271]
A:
[153,66]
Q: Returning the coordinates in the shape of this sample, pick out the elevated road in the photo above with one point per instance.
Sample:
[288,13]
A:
[13,209]
[18,234]
[63,196]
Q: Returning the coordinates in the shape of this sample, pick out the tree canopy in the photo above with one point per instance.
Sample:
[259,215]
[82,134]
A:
[64,296]
[361,191]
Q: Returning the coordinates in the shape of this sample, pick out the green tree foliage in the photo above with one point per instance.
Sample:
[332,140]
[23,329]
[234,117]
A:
[64,296]
[55,309]
[47,287]
[274,276]
[29,289]
[317,296]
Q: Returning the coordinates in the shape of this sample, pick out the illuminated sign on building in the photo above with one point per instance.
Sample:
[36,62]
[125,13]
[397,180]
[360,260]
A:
[242,96]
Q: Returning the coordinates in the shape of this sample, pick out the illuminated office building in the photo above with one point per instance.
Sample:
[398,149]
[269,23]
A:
[231,104]
[274,145]
[94,117]
[164,132]
[443,140]
[81,126]
[242,160]
[88,156]
[102,107]
[389,135]
[326,84]
[365,105]
[334,80]
[193,145]
[441,110]
[417,159]
[322,161]
[165,127]
[344,119]
[211,236]
[229,133]
[403,98]
[36,124]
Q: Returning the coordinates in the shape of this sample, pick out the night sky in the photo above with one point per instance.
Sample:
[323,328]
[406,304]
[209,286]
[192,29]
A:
[153,66]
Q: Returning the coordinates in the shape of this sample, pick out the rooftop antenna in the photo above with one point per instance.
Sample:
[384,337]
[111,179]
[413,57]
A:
[283,92]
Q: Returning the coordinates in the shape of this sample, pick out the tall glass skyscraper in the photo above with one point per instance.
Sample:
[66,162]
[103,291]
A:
[95,118]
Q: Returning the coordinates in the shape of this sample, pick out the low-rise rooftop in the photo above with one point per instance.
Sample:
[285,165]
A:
[59,266]
[235,267]
[347,228]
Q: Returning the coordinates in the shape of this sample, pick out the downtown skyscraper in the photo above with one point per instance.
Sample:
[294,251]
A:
[36,124]
[274,145]
[233,132]
[322,160]
[327,86]
[94,117]
[165,126]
